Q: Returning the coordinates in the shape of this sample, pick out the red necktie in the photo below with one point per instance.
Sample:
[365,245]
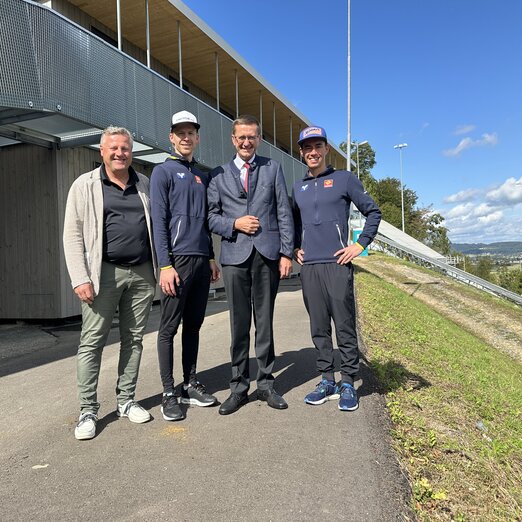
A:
[245,181]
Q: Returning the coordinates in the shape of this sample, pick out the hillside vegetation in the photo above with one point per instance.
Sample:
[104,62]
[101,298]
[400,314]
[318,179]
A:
[448,360]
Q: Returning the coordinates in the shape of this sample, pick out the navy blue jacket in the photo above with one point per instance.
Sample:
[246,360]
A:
[321,207]
[178,195]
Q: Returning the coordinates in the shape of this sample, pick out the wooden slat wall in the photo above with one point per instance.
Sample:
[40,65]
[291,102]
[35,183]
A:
[29,249]
[34,183]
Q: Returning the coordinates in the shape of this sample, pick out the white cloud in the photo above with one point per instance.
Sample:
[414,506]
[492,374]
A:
[500,226]
[509,193]
[494,217]
[424,126]
[463,195]
[464,129]
[466,211]
[485,215]
[468,143]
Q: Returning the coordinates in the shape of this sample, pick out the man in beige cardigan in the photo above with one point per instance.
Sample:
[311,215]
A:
[109,255]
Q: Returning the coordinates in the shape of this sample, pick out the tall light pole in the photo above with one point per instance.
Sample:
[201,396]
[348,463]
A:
[349,94]
[400,147]
[357,144]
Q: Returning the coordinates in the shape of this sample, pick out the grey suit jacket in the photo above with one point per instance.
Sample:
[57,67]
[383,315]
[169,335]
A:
[267,199]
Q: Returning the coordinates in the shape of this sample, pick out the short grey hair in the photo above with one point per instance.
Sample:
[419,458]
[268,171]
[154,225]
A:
[246,119]
[112,130]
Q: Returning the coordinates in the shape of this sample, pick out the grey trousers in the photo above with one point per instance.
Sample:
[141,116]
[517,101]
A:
[328,294]
[130,290]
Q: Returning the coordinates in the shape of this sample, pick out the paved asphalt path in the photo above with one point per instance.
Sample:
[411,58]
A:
[259,464]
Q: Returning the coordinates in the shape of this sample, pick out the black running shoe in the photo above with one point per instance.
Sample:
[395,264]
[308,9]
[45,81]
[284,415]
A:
[195,394]
[170,408]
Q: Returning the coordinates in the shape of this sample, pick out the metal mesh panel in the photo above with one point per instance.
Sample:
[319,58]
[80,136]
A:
[226,140]
[108,93]
[264,149]
[62,67]
[160,112]
[275,154]
[181,101]
[288,169]
[210,148]
[17,90]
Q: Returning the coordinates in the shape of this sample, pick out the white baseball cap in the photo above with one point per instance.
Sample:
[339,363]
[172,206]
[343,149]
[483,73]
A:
[185,117]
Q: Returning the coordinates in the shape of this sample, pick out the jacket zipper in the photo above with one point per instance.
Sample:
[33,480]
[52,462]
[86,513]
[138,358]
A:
[177,234]
[340,237]
[316,210]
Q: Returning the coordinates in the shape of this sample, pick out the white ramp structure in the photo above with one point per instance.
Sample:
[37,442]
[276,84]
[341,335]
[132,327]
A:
[398,236]
[393,241]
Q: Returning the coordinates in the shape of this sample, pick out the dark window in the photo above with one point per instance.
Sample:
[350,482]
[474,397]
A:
[173,80]
[104,36]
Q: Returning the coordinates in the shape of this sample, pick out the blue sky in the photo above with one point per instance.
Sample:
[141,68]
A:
[444,76]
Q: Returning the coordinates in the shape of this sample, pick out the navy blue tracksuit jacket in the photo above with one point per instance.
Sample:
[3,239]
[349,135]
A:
[321,209]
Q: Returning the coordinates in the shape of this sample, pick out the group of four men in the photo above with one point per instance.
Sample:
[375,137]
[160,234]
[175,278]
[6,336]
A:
[116,239]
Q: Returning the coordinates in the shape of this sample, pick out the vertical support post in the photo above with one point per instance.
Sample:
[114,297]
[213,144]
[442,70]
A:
[261,112]
[118,22]
[217,81]
[237,94]
[291,138]
[180,56]
[147,31]
[274,120]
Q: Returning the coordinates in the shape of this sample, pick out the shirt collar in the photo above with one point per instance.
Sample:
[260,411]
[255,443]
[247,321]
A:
[133,177]
[239,163]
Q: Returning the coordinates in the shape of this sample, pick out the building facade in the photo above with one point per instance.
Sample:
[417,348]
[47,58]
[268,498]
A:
[73,67]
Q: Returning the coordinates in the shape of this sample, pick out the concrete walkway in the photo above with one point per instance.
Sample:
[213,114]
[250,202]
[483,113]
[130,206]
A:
[304,463]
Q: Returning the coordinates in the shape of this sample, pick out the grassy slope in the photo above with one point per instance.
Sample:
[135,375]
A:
[455,402]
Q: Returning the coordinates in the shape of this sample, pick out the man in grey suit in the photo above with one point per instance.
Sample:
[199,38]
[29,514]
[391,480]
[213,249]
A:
[250,210]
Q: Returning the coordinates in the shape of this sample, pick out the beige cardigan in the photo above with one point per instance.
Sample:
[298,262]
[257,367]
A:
[83,227]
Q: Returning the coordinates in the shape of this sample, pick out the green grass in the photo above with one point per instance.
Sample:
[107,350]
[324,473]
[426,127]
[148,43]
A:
[456,405]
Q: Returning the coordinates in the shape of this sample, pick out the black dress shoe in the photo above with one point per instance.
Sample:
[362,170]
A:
[272,398]
[233,403]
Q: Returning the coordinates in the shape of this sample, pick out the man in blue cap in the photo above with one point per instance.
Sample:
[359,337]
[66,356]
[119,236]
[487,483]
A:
[321,211]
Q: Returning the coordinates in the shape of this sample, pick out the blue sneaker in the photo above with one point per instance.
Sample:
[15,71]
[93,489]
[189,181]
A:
[325,391]
[348,400]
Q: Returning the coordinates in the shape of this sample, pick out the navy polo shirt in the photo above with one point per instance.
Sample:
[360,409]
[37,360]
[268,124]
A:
[125,235]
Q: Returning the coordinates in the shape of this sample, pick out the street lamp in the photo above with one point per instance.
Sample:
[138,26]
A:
[400,147]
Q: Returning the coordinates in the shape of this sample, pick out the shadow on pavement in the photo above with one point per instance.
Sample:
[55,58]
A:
[27,346]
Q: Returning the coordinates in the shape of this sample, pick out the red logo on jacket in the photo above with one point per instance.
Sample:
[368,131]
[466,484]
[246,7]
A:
[328,183]
[198,179]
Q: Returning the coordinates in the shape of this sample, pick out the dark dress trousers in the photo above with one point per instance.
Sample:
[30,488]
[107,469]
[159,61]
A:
[251,262]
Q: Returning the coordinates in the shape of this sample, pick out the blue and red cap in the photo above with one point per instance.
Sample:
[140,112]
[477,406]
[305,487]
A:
[312,132]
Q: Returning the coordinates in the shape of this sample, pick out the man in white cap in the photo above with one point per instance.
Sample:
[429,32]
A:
[185,255]
[321,211]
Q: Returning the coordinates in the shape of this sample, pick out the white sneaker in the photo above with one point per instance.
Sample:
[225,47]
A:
[133,411]
[86,427]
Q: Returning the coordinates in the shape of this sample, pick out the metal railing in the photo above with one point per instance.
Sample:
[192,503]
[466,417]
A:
[387,245]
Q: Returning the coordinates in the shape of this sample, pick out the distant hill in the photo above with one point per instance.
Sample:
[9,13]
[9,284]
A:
[505,248]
